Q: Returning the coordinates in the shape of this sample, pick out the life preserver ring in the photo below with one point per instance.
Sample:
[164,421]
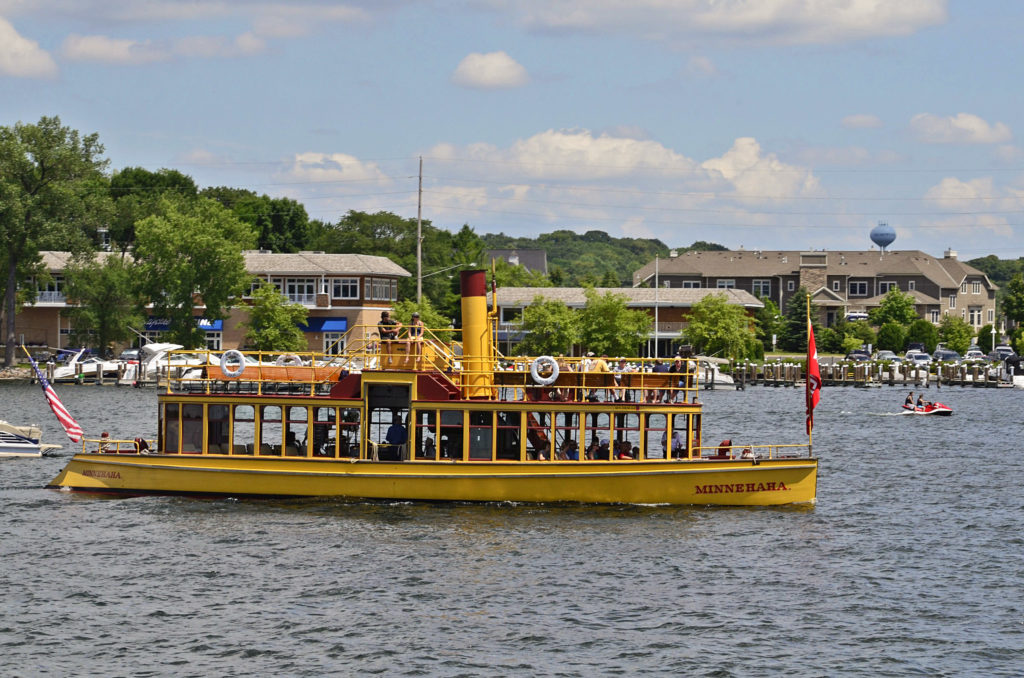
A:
[233,356]
[288,360]
[544,361]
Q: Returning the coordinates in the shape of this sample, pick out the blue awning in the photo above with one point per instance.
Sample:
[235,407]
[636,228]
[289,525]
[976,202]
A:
[163,324]
[325,325]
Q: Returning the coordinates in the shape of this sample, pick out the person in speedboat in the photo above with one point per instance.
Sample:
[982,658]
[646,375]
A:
[921,402]
[909,402]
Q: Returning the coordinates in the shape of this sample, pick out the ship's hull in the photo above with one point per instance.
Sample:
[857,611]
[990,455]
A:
[735,482]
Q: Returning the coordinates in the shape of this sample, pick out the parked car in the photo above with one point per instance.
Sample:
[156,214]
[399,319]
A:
[858,355]
[854,316]
[973,355]
[919,358]
[130,356]
[1001,352]
[946,355]
[888,355]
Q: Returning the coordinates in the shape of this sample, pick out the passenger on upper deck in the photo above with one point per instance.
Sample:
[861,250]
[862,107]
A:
[416,337]
[620,392]
[678,367]
[388,328]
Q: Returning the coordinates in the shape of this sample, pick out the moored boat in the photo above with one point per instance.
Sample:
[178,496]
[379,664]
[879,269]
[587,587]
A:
[439,420]
[22,441]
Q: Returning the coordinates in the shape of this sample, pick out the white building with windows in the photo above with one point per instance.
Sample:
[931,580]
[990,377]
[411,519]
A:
[339,291]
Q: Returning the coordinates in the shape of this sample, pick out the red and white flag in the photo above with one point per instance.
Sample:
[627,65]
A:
[813,377]
[71,426]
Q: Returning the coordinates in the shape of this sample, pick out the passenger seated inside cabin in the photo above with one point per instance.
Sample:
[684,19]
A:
[429,449]
[141,446]
[623,450]
[569,450]
[395,438]
[592,448]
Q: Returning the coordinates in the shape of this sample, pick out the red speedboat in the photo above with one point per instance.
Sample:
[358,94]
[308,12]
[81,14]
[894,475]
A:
[937,409]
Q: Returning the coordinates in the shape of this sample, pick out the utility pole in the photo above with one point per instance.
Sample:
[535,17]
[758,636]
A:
[419,239]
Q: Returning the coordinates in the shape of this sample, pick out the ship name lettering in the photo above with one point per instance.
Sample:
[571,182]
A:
[742,487]
[90,473]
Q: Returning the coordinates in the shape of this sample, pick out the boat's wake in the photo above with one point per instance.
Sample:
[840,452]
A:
[873,414]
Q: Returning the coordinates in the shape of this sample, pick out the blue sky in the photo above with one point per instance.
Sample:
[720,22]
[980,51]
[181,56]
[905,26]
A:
[764,124]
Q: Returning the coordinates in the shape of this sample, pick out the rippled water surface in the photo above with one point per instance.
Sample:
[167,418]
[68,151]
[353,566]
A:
[911,563]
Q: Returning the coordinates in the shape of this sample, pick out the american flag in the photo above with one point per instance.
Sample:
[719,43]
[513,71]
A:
[71,426]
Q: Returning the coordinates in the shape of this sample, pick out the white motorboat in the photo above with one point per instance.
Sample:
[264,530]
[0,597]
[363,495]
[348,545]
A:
[709,375]
[80,367]
[21,441]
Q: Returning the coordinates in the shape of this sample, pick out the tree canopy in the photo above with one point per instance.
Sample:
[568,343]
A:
[273,323]
[607,325]
[192,254]
[104,302]
[550,328]
[719,328]
[45,171]
[895,307]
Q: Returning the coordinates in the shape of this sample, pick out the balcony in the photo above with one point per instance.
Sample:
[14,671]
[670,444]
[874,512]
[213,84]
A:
[50,297]
[304,299]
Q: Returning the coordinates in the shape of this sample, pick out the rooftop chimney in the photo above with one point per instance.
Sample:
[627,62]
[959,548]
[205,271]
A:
[950,253]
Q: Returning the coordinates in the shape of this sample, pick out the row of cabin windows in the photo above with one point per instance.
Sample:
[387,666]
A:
[336,432]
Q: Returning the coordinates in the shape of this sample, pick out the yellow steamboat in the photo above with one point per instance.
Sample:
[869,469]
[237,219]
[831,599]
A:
[425,418]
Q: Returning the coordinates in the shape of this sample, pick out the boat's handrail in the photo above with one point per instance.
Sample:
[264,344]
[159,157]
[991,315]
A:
[118,446]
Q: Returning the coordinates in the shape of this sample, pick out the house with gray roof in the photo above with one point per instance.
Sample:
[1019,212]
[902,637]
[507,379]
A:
[839,281]
[339,291]
[668,307]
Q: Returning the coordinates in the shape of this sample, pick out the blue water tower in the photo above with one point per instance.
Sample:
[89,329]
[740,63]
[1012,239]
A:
[883,235]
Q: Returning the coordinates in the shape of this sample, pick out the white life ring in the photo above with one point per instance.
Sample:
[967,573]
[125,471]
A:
[288,360]
[548,361]
[233,356]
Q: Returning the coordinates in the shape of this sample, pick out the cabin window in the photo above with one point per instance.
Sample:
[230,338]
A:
[538,435]
[509,431]
[296,431]
[323,425]
[451,434]
[271,431]
[688,428]
[597,430]
[426,434]
[481,426]
[627,433]
[655,428]
[350,428]
[218,430]
[170,428]
[192,428]
[243,434]
[567,431]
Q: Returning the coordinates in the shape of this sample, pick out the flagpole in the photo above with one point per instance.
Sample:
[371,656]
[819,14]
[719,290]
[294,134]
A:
[807,385]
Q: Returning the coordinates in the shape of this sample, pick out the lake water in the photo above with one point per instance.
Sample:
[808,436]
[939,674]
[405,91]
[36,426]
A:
[910,564]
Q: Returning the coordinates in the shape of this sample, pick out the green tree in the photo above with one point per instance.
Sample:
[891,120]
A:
[1013,300]
[273,323]
[986,338]
[923,332]
[136,193]
[46,170]
[192,255]
[895,307]
[769,323]
[892,336]
[607,325]
[719,328]
[103,299]
[281,224]
[794,335]
[434,321]
[955,333]
[550,328]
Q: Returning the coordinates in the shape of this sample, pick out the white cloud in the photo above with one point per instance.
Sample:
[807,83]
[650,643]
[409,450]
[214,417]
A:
[962,128]
[861,121]
[980,200]
[334,167]
[757,176]
[701,66]
[494,70]
[760,21]
[110,50]
[21,57]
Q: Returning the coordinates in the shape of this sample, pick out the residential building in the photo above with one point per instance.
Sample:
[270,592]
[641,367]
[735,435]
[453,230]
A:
[840,282]
[339,292]
[669,307]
